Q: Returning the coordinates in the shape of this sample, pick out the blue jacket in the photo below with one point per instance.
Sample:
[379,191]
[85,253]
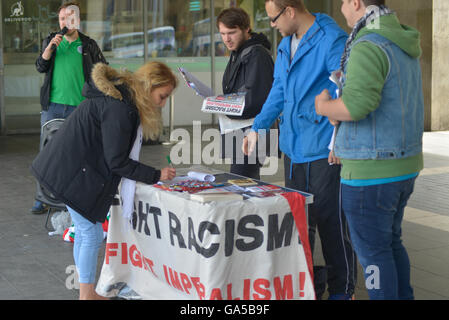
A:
[304,135]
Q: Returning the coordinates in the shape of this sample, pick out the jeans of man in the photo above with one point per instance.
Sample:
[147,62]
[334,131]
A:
[374,214]
[55,111]
[323,181]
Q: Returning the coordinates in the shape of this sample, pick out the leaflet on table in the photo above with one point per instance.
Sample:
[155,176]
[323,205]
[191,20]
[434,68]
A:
[201,176]
[243,182]
[217,194]
[263,188]
[223,196]
[263,191]
[194,175]
[264,194]
[230,104]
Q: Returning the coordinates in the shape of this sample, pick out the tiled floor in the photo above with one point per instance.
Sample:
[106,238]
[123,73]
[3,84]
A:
[34,265]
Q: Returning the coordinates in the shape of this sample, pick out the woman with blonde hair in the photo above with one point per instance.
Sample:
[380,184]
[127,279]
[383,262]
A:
[97,147]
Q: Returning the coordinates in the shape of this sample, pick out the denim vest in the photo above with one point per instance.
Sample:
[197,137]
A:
[394,130]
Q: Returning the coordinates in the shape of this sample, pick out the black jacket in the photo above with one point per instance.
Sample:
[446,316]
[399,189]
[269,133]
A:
[91,55]
[83,163]
[250,69]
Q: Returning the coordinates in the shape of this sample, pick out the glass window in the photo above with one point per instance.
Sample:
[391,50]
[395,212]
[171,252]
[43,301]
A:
[178,34]
[25,24]
[176,29]
[117,27]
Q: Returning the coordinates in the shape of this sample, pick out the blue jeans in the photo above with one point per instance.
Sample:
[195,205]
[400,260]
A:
[374,214]
[56,111]
[88,240]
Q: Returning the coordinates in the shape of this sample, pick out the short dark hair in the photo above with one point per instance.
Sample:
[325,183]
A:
[234,18]
[68,4]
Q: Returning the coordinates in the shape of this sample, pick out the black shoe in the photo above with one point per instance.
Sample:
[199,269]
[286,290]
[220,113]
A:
[39,208]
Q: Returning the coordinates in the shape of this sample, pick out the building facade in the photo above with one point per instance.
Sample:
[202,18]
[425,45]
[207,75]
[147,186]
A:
[179,33]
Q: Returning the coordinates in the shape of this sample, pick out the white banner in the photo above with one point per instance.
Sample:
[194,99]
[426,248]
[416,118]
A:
[181,249]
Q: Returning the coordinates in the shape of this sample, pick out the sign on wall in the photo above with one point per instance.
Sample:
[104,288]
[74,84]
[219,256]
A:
[17,14]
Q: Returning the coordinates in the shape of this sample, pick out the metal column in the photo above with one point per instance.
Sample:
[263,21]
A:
[212,51]
[329,7]
[171,123]
[2,83]
[145,30]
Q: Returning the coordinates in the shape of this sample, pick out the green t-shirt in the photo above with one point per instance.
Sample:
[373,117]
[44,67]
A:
[68,76]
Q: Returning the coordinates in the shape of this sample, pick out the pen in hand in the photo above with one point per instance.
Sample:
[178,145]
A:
[169,161]
[168,173]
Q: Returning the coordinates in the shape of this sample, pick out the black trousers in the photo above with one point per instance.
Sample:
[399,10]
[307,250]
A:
[323,181]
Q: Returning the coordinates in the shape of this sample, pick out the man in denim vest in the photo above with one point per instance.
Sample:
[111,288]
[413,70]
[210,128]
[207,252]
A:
[380,121]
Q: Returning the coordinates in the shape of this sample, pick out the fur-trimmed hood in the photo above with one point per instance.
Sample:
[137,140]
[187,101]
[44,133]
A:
[104,82]
[109,82]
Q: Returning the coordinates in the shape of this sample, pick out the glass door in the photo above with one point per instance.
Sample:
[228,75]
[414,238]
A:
[25,24]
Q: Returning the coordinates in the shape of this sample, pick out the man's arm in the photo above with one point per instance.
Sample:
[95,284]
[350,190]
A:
[271,110]
[335,110]
[274,103]
[367,70]
[336,49]
[117,131]
[43,61]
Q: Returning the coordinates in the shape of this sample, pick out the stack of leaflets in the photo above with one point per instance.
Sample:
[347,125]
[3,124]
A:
[263,191]
[264,188]
[218,194]
[243,182]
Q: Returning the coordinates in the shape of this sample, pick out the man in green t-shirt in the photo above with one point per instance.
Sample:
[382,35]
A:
[67,61]
[380,121]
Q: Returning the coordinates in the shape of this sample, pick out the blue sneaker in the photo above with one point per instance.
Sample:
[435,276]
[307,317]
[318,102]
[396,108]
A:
[39,208]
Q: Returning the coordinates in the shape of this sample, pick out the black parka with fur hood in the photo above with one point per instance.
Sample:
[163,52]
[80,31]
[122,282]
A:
[83,163]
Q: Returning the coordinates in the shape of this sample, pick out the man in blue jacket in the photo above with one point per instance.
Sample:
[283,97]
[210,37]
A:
[310,51]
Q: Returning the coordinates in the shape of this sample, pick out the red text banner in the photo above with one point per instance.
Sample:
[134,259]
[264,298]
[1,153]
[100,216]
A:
[176,248]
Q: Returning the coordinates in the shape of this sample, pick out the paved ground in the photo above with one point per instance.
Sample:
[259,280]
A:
[34,265]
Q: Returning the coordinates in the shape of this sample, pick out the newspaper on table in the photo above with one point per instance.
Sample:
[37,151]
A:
[231,104]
